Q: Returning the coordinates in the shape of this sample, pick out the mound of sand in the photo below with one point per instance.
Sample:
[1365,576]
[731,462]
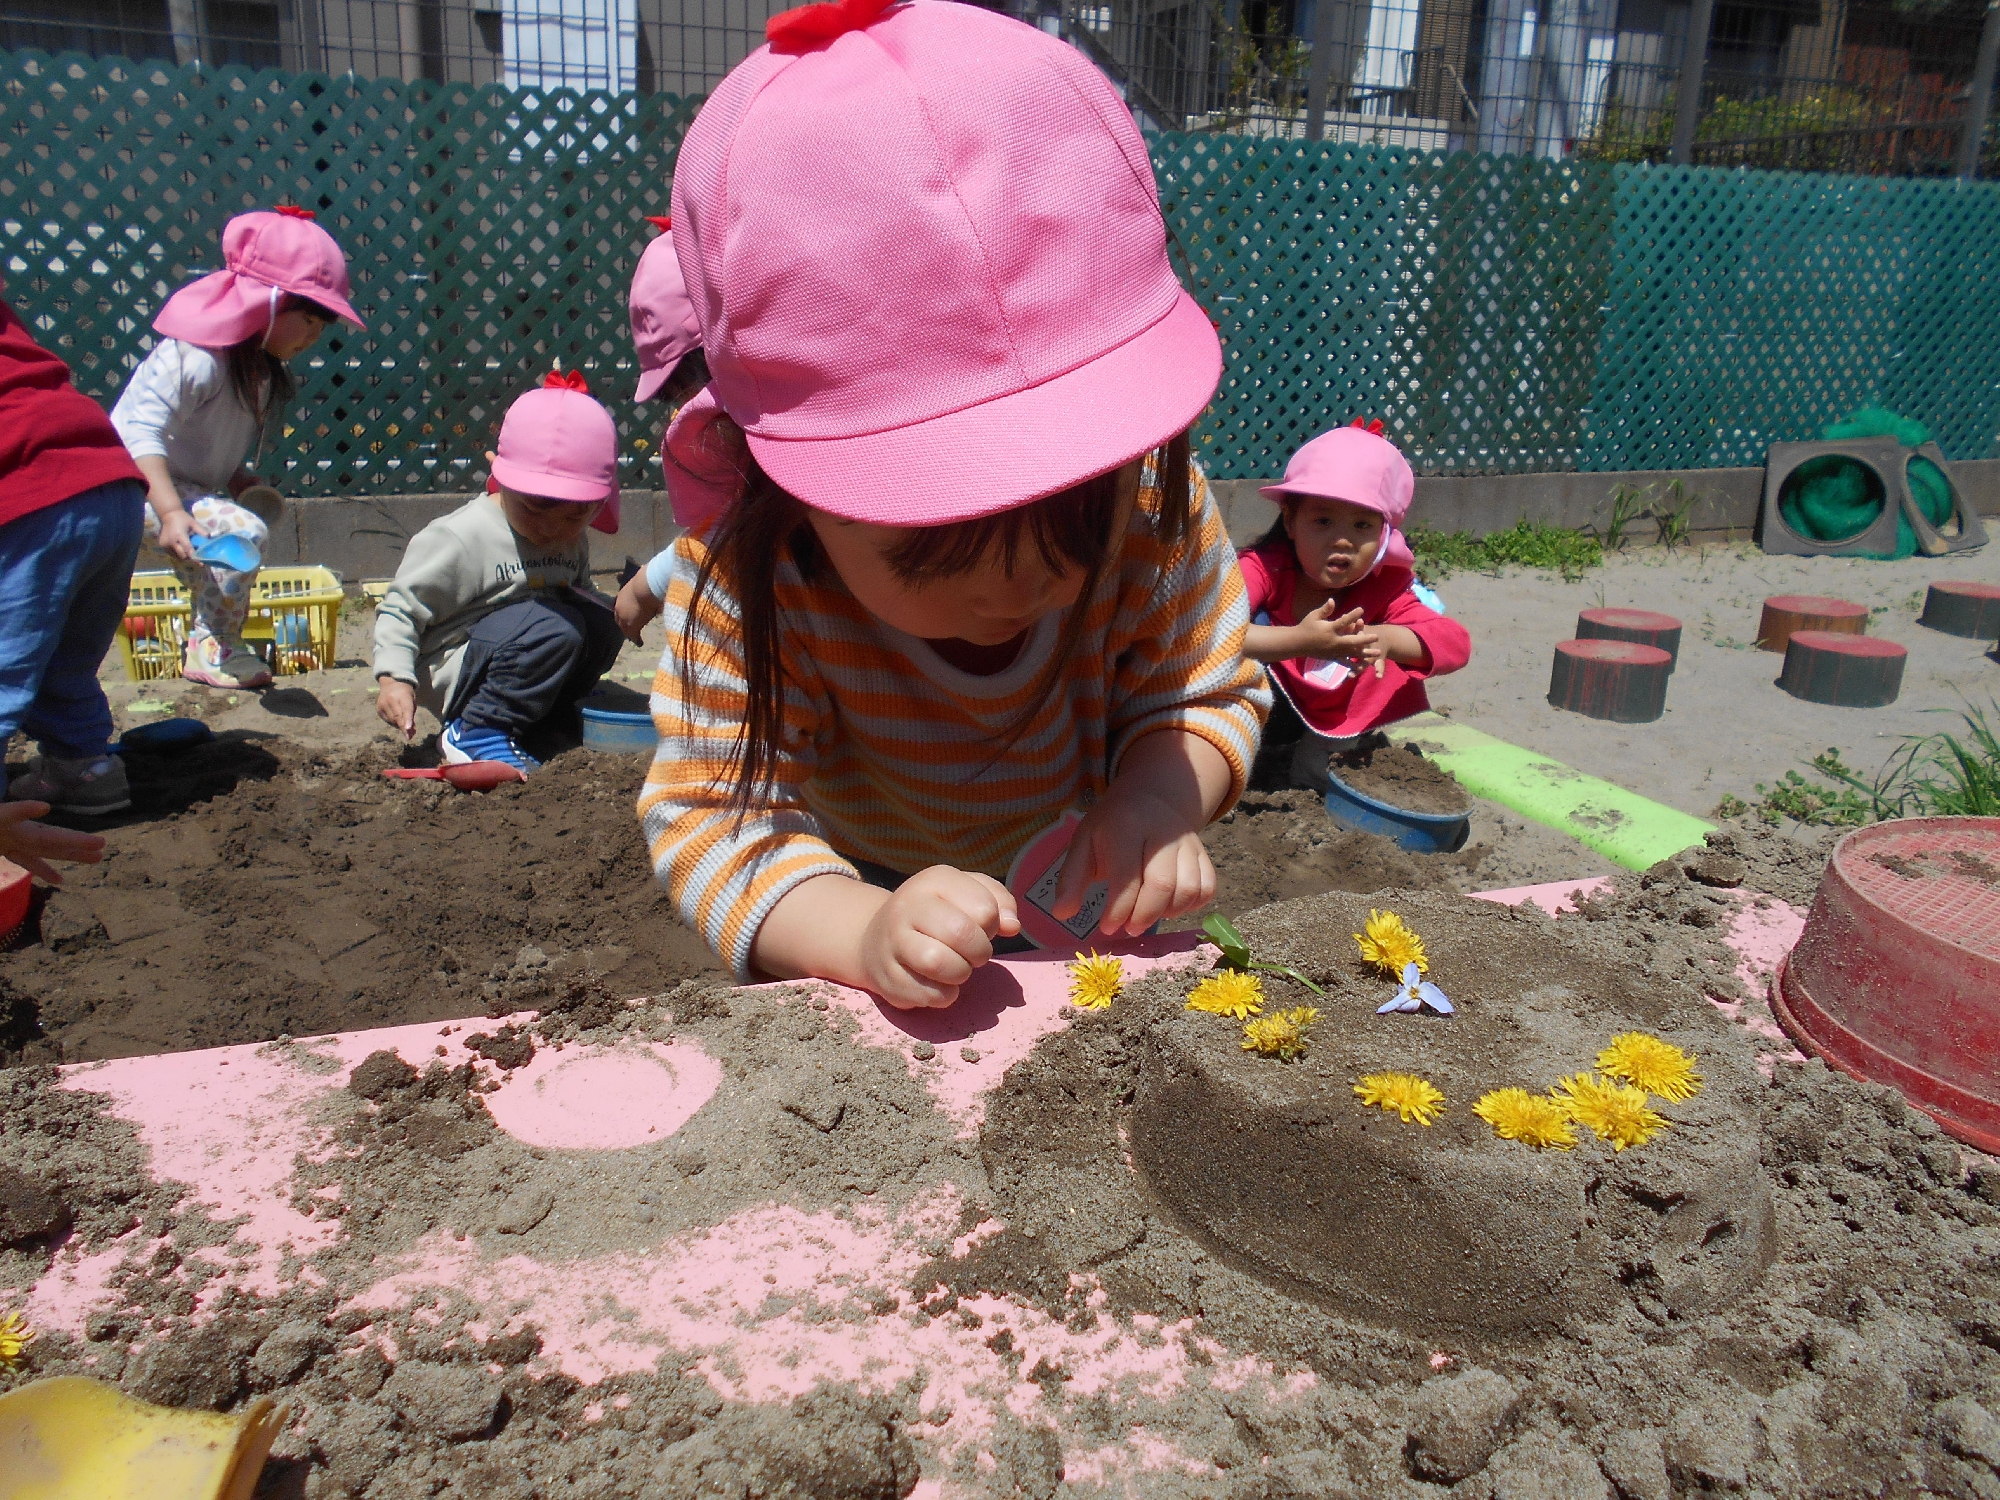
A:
[1447,1229]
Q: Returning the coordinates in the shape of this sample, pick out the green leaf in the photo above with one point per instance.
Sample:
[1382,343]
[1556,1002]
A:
[1222,932]
[1290,973]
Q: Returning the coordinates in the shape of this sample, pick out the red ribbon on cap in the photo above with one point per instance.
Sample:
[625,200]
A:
[811,26]
[661,222]
[555,380]
[1367,426]
[293,211]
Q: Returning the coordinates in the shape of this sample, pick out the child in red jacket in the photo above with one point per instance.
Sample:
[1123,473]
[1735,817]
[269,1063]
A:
[71,501]
[1343,635]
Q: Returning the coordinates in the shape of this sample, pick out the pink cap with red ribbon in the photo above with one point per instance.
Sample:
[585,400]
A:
[663,324]
[557,443]
[925,252]
[264,256]
[1359,465]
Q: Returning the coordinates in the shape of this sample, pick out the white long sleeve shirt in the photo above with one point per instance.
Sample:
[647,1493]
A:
[180,406]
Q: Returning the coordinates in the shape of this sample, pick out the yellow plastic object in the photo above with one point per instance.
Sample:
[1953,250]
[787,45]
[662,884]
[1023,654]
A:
[76,1439]
[153,636]
[297,610]
[294,622]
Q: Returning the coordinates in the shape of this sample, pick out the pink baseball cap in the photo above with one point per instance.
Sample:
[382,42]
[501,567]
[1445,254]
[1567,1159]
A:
[557,443]
[264,255]
[1360,466]
[925,252]
[663,325]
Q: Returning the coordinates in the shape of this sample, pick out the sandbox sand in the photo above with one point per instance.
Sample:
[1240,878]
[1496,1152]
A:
[264,888]
[1037,1318]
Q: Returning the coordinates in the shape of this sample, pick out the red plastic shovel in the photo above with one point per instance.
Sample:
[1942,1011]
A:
[473,776]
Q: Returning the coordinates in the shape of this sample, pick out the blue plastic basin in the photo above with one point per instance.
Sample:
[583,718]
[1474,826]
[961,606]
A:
[1421,833]
[617,729]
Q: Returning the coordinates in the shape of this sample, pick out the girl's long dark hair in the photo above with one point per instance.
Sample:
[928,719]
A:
[1070,529]
[262,381]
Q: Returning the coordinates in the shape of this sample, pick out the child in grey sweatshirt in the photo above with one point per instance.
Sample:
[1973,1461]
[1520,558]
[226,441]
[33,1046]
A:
[491,622]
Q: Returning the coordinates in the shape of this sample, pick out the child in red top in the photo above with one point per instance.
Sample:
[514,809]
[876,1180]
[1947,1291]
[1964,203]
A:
[1338,627]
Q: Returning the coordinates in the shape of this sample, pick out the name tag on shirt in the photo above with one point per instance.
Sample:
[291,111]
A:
[1326,674]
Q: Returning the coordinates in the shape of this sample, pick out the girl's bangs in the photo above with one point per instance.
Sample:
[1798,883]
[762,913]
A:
[1070,529]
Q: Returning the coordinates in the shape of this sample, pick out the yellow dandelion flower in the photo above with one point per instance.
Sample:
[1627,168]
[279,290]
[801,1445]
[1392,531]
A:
[1402,1094]
[1389,943]
[1228,992]
[1517,1115]
[15,1336]
[1648,1063]
[1282,1035]
[1617,1112]
[1095,981]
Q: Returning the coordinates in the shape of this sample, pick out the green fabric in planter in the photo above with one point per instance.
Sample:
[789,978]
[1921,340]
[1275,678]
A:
[1832,498]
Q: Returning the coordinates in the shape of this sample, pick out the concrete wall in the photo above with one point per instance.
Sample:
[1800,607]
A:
[363,537]
[1729,499]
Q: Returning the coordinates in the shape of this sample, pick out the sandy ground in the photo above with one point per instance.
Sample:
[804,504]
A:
[1727,725]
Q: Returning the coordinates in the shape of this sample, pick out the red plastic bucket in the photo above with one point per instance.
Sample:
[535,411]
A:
[16,893]
[1896,978]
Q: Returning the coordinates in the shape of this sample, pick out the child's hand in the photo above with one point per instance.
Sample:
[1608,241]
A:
[1355,640]
[930,935]
[635,607]
[32,845]
[177,534]
[396,705]
[1142,845]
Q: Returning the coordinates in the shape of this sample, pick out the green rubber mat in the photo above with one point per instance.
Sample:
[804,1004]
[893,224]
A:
[1624,827]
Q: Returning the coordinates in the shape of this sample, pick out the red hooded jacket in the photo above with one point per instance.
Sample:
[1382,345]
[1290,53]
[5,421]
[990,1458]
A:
[55,442]
[1341,703]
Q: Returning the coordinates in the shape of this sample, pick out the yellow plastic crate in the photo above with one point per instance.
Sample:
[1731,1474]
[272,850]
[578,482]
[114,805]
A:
[153,635]
[293,624]
[294,619]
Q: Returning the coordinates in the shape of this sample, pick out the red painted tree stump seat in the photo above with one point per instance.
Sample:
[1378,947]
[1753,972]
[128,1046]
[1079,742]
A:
[1642,627]
[1846,671]
[1617,680]
[1786,614]
[1961,607]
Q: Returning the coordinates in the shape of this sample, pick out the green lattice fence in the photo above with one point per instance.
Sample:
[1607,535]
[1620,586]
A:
[490,233]
[1501,314]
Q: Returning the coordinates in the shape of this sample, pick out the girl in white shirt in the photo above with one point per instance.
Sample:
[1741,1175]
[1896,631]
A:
[201,403]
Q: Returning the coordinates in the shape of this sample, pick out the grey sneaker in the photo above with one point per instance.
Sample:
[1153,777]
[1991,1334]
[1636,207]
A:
[90,787]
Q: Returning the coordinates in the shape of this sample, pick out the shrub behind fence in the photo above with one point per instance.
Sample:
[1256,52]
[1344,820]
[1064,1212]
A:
[1500,314]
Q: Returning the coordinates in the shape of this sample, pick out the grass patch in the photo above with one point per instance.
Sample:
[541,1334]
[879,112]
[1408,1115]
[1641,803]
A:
[1525,544]
[1947,774]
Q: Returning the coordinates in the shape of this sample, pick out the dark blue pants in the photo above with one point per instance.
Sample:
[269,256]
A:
[65,580]
[530,661]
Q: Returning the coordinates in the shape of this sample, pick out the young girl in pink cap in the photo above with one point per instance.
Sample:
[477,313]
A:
[1330,589]
[491,622]
[671,368]
[950,571]
[203,402]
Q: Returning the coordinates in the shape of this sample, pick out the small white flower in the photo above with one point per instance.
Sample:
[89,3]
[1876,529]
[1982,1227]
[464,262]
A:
[1414,994]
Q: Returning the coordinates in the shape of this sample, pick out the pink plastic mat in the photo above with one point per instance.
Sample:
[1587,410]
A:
[229,1122]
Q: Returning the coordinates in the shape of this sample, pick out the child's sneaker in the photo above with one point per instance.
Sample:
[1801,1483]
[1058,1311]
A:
[215,662]
[463,743]
[91,787]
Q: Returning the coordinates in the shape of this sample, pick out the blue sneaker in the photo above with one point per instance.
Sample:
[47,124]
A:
[463,743]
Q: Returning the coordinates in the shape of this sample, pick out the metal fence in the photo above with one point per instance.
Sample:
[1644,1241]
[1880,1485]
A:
[1877,86]
[1499,313]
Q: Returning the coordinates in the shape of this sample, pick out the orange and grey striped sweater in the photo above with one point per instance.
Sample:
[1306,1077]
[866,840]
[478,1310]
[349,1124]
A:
[890,754]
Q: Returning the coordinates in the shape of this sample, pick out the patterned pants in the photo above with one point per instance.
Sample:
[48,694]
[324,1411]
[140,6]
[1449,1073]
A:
[221,595]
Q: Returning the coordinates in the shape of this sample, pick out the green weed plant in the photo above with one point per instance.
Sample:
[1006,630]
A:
[1525,544]
[1947,774]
